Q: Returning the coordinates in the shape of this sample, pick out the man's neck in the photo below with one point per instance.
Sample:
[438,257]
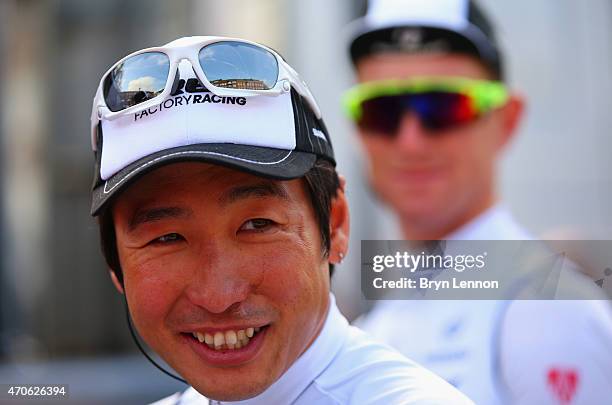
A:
[413,230]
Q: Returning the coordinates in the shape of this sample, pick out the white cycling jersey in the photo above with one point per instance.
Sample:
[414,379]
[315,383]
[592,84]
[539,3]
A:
[498,352]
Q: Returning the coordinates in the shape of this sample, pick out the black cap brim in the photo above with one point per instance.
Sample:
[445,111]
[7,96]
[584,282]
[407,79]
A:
[278,164]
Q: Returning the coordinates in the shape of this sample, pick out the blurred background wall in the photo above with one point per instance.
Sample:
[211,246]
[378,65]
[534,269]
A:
[60,317]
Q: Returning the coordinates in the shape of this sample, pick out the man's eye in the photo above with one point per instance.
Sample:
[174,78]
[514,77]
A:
[257,224]
[169,238]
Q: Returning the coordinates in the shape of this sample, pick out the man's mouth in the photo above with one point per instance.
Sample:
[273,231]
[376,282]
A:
[229,339]
[417,174]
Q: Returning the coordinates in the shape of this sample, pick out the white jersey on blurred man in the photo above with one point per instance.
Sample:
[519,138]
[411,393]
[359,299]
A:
[432,157]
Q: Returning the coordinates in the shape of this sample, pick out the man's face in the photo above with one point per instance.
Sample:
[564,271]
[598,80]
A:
[433,180]
[216,251]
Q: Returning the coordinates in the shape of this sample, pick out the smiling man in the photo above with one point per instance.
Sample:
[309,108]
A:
[221,221]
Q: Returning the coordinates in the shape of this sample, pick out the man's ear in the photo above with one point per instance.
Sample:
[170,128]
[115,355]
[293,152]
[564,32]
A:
[512,116]
[116,281]
[339,225]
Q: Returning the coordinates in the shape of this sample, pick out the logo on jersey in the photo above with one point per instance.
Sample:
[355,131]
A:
[563,383]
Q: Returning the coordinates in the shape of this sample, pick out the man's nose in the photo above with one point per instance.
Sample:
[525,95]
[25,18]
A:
[411,136]
[219,280]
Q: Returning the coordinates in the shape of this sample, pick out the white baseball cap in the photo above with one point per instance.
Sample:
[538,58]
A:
[425,26]
[277,136]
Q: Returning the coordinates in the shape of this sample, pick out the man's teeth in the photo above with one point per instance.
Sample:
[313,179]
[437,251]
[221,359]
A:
[229,339]
[219,339]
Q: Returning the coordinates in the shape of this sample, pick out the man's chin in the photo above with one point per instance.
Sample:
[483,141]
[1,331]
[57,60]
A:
[424,207]
[422,216]
[233,383]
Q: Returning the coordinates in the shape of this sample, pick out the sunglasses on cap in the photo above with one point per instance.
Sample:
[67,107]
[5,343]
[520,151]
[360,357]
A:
[440,103]
[225,66]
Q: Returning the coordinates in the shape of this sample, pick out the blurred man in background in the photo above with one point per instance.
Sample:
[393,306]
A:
[434,115]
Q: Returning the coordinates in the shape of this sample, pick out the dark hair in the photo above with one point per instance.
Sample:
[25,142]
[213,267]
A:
[322,184]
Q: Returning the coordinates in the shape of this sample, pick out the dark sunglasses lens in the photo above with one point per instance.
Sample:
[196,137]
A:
[238,65]
[136,79]
[442,110]
[381,115]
